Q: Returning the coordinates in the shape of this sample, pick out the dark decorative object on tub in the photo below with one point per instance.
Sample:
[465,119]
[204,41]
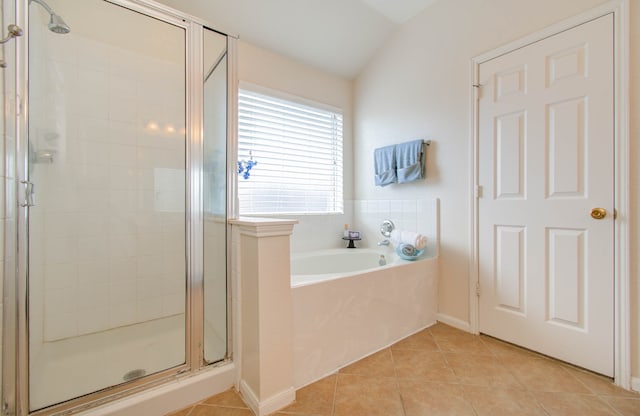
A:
[400,163]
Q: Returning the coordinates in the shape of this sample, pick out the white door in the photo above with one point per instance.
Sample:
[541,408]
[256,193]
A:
[546,131]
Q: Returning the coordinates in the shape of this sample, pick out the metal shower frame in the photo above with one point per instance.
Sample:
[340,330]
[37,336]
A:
[15,378]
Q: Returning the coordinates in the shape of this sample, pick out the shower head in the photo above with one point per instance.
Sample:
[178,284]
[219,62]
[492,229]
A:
[56,23]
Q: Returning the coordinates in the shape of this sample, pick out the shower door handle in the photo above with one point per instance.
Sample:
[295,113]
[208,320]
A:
[29,200]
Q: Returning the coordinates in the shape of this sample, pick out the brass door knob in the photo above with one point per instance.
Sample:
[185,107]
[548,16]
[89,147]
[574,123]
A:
[598,213]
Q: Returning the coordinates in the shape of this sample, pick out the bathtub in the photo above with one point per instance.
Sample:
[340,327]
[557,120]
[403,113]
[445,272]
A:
[346,306]
[316,266]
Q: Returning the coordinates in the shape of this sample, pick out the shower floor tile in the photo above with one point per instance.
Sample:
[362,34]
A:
[444,371]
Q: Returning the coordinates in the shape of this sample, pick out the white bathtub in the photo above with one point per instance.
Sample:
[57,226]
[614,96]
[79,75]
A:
[312,267]
[343,316]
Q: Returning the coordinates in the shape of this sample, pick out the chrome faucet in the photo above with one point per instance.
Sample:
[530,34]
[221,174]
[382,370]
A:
[384,242]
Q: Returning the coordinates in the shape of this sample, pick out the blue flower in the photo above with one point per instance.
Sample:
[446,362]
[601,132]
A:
[245,166]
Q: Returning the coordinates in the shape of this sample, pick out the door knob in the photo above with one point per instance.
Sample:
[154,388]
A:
[598,213]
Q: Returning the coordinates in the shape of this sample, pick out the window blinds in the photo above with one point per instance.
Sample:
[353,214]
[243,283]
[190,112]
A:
[298,150]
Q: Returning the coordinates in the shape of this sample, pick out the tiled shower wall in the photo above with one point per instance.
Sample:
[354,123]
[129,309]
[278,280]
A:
[107,240]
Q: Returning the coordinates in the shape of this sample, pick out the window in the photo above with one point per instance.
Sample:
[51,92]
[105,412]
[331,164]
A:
[298,153]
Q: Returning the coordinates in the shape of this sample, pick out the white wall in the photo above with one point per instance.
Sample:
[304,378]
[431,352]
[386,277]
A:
[417,86]
[268,69]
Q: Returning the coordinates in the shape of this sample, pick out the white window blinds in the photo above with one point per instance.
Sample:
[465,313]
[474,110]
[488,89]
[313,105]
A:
[298,153]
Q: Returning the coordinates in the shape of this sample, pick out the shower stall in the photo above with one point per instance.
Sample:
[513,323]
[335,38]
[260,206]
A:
[116,201]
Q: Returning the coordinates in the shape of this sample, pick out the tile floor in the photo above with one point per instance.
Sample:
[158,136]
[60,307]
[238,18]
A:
[444,371]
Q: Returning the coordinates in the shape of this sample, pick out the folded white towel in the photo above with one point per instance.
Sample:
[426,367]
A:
[417,240]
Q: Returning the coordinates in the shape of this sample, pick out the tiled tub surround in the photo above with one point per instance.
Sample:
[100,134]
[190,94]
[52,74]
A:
[341,320]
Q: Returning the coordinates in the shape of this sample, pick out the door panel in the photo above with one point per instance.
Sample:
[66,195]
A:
[509,273]
[566,275]
[545,160]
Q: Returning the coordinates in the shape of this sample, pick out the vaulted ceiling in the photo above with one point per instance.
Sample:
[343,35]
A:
[339,36]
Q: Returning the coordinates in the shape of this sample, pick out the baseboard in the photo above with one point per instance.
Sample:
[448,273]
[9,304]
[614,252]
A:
[454,322]
[635,384]
[270,405]
[249,396]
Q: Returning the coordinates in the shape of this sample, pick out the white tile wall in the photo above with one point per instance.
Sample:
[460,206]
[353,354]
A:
[419,215]
[366,216]
[107,234]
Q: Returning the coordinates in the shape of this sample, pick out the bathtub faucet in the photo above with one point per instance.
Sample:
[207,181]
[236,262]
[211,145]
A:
[384,242]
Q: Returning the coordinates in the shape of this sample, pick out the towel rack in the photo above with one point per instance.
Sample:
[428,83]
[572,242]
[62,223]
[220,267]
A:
[427,142]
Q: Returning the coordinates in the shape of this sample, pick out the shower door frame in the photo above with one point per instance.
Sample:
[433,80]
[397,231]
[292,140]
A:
[194,216]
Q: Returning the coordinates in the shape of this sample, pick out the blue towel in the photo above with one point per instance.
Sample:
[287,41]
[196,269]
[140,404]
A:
[384,160]
[409,161]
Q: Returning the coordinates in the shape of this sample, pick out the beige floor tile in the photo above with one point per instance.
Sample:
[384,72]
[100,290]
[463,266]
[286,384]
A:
[483,370]
[229,398]
[367,396]
[433,399]
[568,404]
[504,349]
[492,401]
[206,410]
[625,406]
[461,343]
[379,364]
[599,384]
[443,330]
[445,371]
[422,365]
[541,374]
[314,399]
[422,340]
[183,412]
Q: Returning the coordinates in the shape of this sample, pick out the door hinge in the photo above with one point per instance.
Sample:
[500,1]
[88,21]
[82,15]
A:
[28,194]
[477,191]
[478,289]
[478,88]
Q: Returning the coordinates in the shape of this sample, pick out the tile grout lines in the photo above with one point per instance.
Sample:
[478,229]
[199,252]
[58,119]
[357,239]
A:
[488,374]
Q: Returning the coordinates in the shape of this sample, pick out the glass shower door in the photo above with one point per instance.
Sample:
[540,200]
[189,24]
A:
[215,195]
[107,251]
